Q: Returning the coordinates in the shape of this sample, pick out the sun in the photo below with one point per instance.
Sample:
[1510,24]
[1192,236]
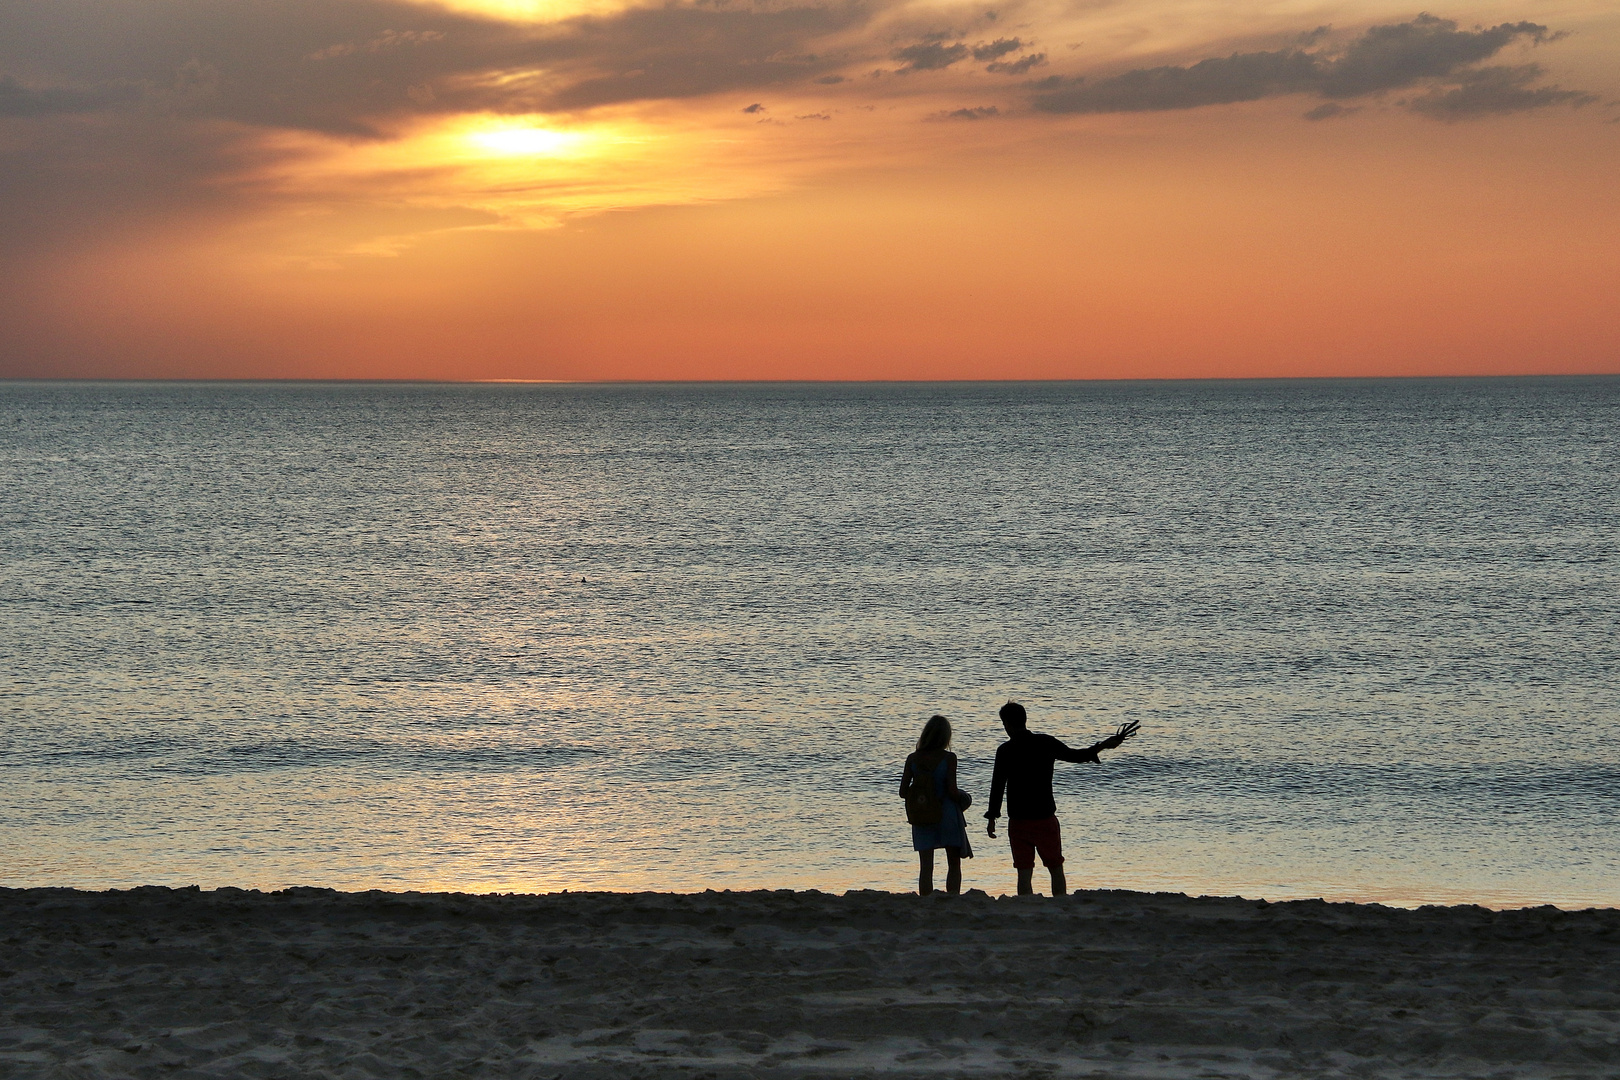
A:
[527,141]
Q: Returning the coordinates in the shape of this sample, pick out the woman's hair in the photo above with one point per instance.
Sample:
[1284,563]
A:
[936,735]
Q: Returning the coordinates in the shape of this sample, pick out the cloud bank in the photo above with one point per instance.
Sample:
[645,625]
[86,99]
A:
[355,67]
[115,112]
[347,66]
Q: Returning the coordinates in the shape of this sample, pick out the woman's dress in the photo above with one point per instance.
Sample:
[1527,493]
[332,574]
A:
[952,828]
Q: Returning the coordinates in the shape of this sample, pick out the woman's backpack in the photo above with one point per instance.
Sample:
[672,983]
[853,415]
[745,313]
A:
[923,804]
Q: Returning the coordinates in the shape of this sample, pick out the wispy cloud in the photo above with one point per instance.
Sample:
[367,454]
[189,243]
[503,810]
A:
[1495,90]
[996,49]
[1017,67]
[931,56]
[937,54]
[388,39]
[981,112]
[1427,51]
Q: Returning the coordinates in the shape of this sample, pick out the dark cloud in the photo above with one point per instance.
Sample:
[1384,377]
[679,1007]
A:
[348,66]
[754,108]
[983,112]
[310,64]
[996,49]
[1329,110]
[85,179]
[1495,90]
[930,56]
[1017,67]
[831,80]
[18,100]
[676,52]
[1425,51]
[936,54]
[1239,77]
[1398,55]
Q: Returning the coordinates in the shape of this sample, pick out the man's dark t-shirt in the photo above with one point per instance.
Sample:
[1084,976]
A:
[1024,772]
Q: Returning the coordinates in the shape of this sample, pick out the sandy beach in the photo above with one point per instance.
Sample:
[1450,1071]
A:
[154,982]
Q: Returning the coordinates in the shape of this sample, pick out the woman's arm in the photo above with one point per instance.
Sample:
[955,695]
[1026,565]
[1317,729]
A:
[951,791]
[905,777]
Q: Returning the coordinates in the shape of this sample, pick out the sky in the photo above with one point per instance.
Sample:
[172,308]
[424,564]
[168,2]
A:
[807,189]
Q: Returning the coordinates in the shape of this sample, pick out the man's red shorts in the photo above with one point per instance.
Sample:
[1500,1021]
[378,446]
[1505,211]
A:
[1028,837]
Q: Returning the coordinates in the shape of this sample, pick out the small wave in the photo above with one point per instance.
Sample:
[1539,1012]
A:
[371,756]
[1508,782]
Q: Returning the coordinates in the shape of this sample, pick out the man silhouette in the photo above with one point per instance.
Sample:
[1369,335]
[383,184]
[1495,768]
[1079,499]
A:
[1024,772]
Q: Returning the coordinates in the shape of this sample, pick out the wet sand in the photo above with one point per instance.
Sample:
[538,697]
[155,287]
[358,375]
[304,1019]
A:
[307,983]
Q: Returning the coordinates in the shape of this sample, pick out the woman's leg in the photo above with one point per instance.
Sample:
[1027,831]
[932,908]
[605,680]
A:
[925,872]
[953,870]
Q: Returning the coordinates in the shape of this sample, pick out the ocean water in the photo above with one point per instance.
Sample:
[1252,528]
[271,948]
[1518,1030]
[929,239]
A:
[537,637]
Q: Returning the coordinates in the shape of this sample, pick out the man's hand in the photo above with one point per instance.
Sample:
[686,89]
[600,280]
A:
[1125,731]
[991,829]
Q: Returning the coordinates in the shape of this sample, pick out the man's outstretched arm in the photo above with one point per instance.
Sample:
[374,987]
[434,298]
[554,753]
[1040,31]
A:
[1126,731]
[1068,753]
[1064,752]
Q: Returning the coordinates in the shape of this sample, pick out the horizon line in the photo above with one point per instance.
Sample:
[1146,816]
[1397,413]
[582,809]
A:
[794,382]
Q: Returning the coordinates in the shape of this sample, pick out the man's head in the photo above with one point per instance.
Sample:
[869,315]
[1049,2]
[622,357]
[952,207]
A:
[1013,718]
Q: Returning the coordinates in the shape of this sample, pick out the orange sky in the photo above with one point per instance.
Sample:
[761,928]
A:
[516,190]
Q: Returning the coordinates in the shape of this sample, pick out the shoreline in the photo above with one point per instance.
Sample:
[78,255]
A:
[975,893]
[305,981]
[1394,902]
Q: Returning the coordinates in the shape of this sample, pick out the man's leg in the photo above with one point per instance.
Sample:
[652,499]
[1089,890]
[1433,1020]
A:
[1050,845]
[925,872]
[1023,853]
[953,870]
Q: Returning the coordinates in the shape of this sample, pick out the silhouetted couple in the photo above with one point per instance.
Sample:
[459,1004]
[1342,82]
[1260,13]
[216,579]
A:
[934,804]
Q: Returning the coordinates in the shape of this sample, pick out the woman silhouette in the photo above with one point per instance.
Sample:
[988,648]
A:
[935,766]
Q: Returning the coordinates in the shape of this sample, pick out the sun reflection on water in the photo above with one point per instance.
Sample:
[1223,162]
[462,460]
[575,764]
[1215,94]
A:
[681,637]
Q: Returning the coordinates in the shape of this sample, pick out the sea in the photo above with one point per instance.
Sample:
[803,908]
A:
[537,637]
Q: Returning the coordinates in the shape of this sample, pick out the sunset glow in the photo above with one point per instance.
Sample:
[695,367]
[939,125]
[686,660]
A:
[528,141]
[904,190]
